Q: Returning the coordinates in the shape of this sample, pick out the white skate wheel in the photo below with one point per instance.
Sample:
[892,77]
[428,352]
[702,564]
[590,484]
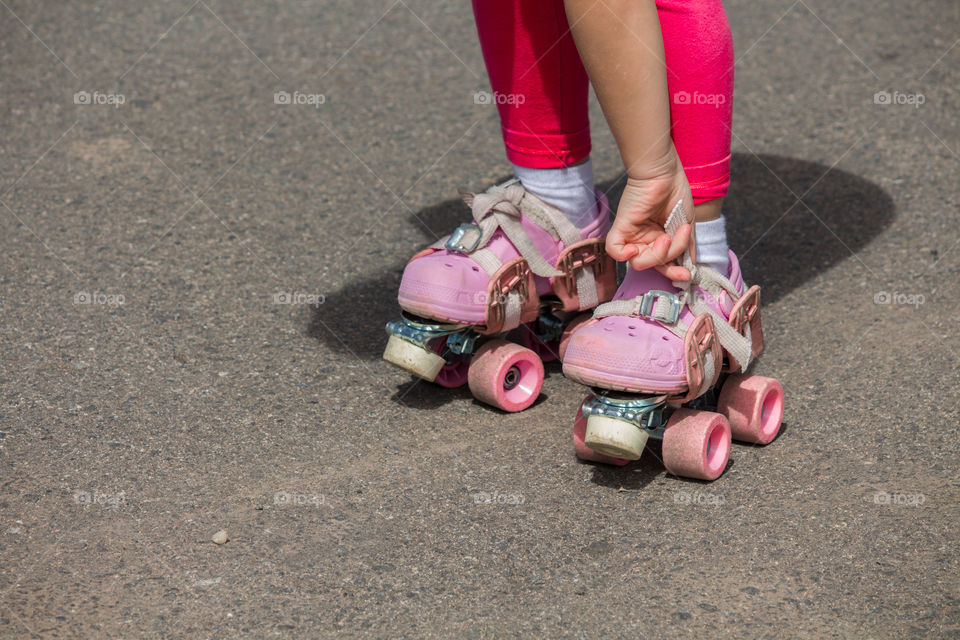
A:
[413,358]
[583,451]
[615,437]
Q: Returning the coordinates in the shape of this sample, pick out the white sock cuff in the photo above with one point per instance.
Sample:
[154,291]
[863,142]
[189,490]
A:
[560,179]
[712,244]
[570,189]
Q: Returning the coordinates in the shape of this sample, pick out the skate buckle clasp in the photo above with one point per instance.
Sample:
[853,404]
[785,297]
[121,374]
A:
[647,302]
[579,257]
[456,240]
[512,278]
[745,309]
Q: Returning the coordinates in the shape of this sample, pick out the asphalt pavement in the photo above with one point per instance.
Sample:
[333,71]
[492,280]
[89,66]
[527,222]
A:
[205,209]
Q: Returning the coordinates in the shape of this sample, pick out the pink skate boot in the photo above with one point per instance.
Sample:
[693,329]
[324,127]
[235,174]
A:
[673,358]
[520,270]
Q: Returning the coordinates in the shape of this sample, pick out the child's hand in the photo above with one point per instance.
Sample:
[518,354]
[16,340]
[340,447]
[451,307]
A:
[622,51]
[637,234]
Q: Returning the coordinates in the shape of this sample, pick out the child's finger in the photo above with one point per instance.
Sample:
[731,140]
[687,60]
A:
[674,272]
[621,252]
[679,243]
[652,255]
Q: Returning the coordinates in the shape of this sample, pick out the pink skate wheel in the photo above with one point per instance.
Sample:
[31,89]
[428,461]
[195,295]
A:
[754,407]
[696,444]
[453,374]
[505,375]
[573,326]
[583,451]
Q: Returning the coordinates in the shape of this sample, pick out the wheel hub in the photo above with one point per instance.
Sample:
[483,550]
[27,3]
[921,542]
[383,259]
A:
[512,378]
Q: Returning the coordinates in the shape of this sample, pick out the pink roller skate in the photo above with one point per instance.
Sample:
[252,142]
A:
[521,270]
[673,359]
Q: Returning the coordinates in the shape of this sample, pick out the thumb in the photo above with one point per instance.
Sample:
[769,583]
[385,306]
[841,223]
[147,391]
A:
[618,249]
[691,212]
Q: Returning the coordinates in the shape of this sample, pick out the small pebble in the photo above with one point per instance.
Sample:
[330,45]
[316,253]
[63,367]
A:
[220,537]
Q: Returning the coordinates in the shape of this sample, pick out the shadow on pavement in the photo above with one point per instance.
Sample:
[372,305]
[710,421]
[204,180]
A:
[633,476]
[782,243]
[638,474]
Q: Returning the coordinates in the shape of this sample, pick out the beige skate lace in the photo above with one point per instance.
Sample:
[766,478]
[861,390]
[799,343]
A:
[501,207]
[706,278]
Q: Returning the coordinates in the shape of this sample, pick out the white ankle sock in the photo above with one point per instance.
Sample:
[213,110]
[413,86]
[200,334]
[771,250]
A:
[712,244]
[569,189]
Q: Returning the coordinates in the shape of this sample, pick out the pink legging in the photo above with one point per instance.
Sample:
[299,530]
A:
[540,85]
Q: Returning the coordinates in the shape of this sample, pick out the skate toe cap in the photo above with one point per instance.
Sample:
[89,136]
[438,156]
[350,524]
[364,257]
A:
[626,353]
[445,286]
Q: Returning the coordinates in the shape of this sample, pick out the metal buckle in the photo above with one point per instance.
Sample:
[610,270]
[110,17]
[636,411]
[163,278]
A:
[455,241]
[649,299]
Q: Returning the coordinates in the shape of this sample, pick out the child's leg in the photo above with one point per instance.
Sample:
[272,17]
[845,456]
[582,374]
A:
[491,273]
[540,88]
[698,48]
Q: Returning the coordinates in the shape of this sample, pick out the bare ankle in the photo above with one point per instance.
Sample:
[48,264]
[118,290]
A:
[706,211]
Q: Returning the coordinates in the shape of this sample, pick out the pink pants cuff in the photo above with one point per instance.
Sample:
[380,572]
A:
[709,181]
[544,150]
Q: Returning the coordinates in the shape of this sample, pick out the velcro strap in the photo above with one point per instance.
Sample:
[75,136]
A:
[512,308]
[487,260]
[587,289]
[676,219]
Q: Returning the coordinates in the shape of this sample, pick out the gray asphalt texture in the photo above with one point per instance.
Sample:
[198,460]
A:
[165,376]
